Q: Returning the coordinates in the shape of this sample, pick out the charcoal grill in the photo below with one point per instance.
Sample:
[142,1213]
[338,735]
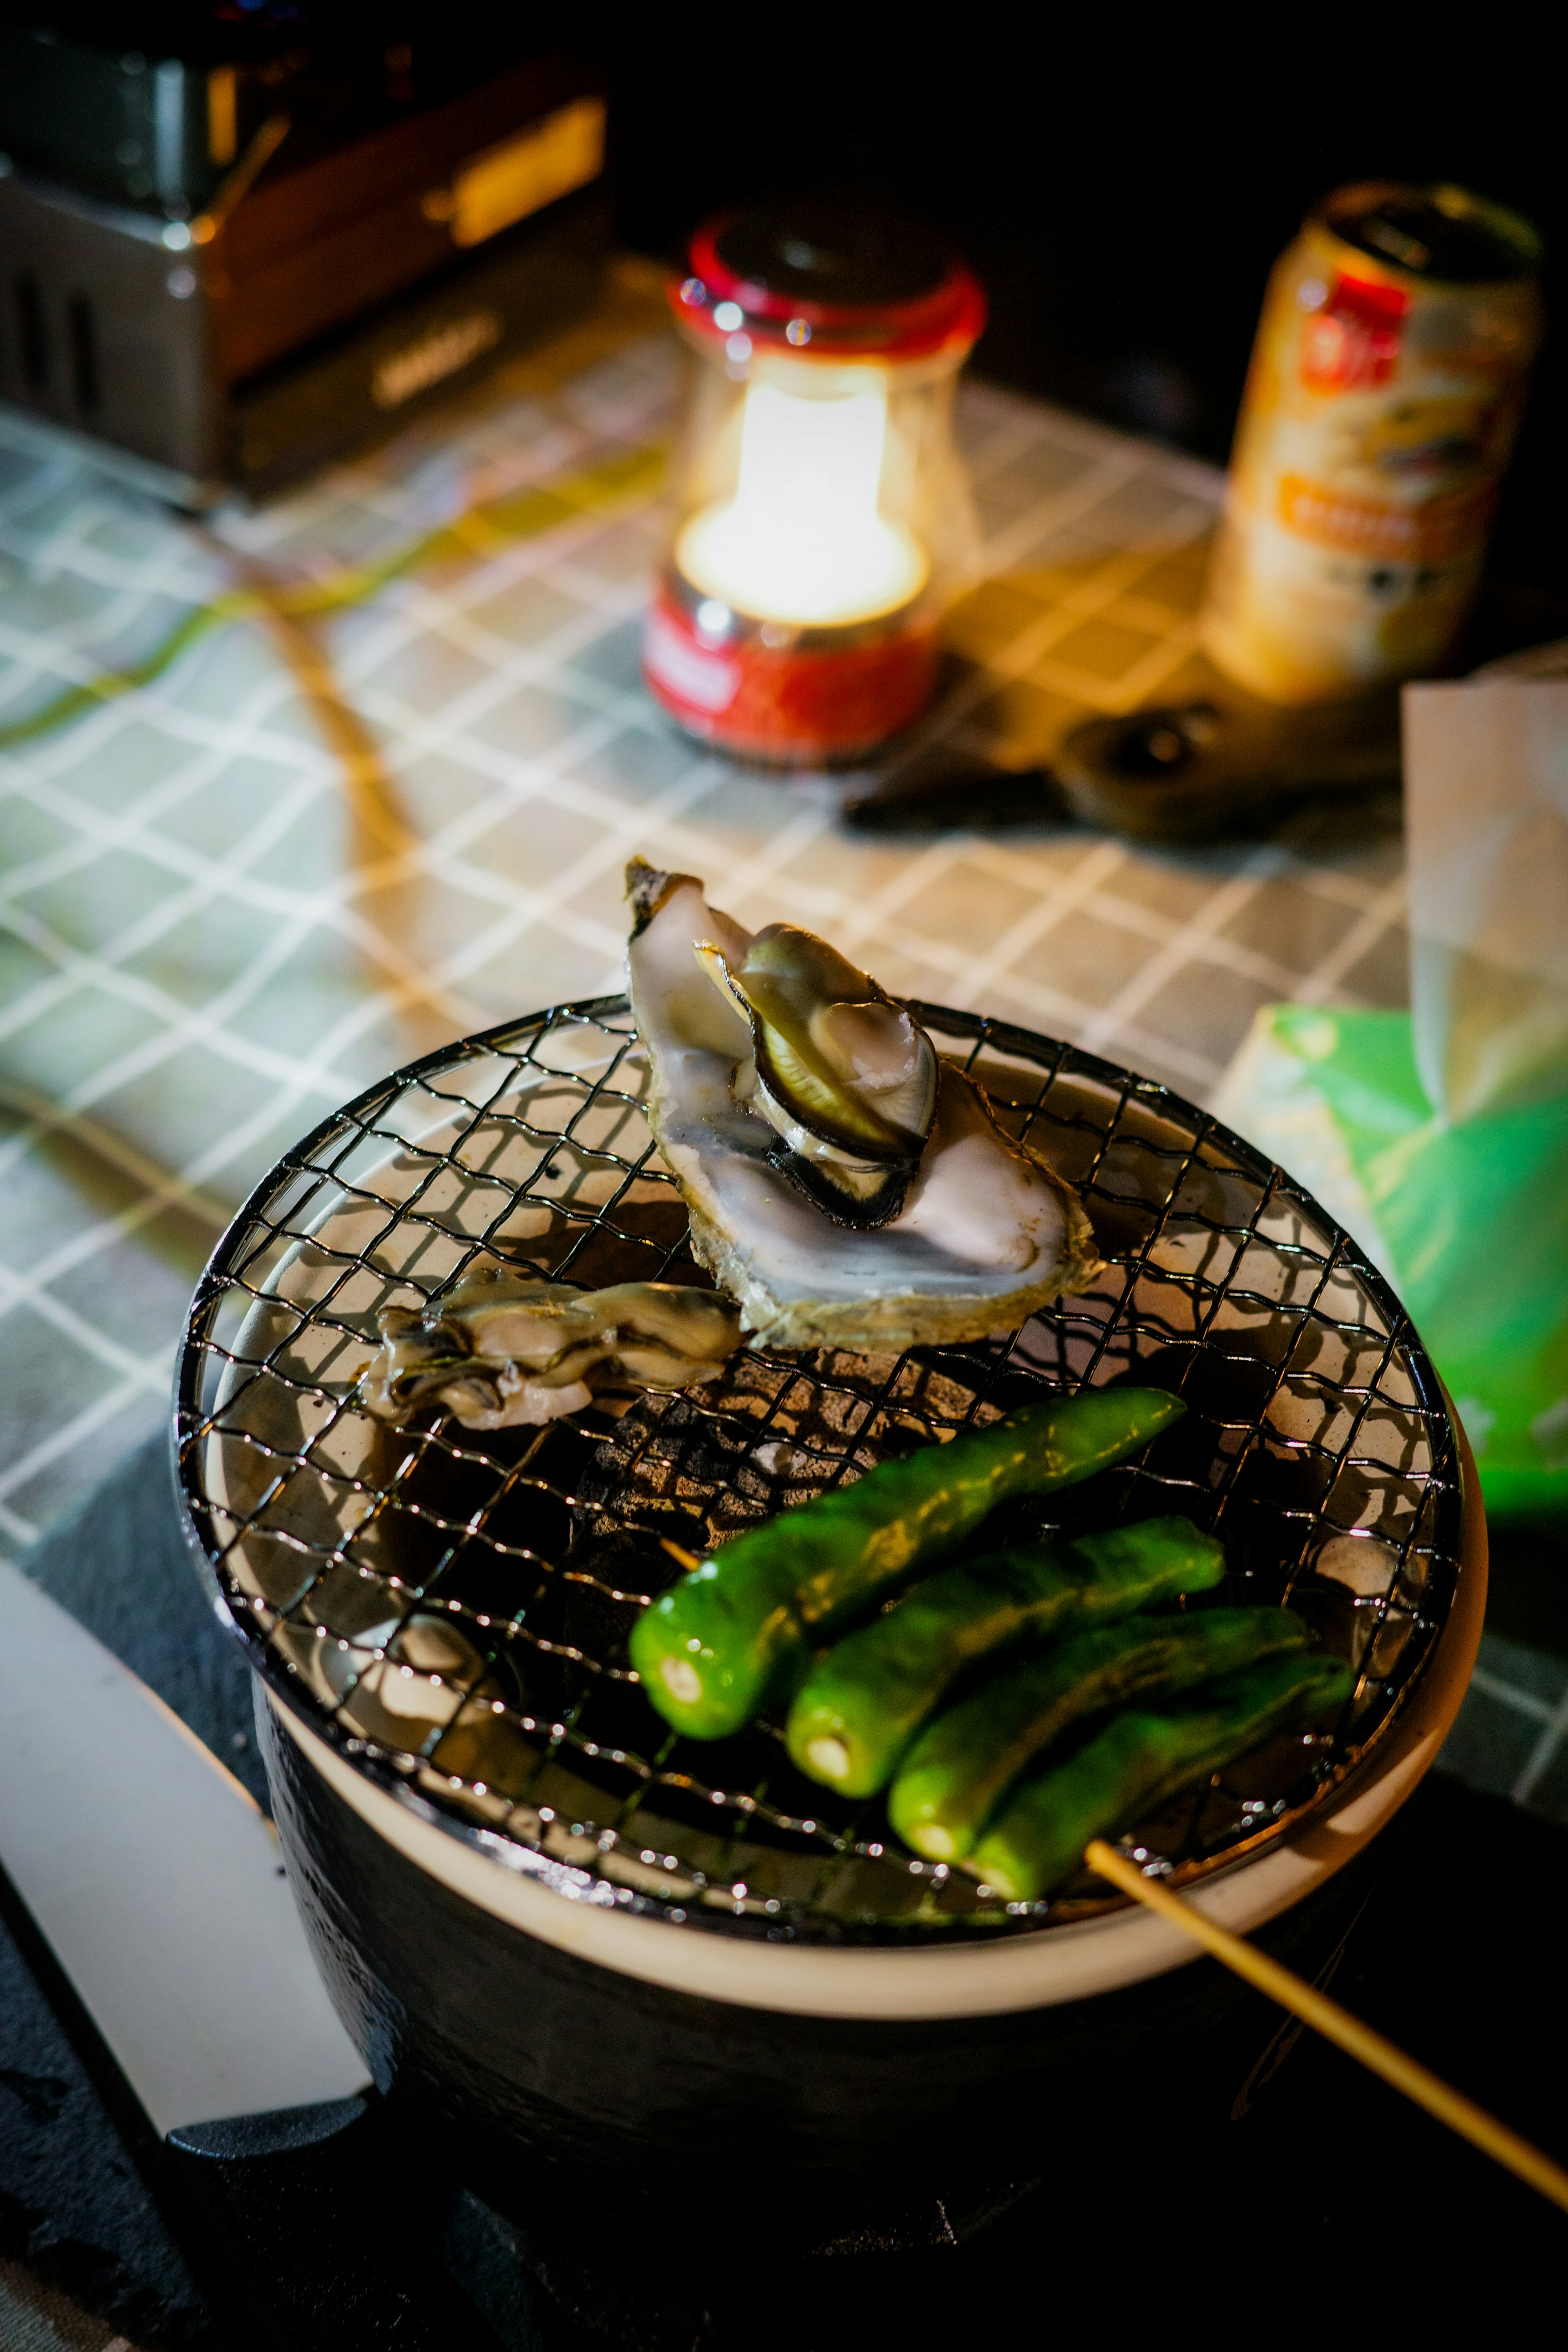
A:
[448,1610]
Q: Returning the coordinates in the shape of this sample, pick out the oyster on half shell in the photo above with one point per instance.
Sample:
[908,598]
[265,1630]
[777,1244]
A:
[846,1185]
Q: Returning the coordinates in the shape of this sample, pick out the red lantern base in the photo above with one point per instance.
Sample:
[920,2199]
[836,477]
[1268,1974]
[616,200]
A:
[809,698]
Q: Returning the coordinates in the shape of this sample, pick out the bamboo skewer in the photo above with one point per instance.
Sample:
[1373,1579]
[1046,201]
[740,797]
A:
[1315,2009]
[1338,2026]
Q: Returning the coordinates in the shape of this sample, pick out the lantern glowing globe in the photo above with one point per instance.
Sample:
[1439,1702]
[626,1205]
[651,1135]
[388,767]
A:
[823,522]
[803,540]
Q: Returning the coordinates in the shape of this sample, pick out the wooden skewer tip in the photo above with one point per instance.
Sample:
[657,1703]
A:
[1384,2058]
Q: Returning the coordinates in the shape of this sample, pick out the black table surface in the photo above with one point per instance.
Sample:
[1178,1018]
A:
[1328,2198]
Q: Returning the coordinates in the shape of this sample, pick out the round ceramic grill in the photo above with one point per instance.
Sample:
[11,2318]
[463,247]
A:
[449,1609]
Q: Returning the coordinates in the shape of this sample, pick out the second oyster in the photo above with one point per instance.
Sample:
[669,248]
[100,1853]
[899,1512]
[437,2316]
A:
[503,1350]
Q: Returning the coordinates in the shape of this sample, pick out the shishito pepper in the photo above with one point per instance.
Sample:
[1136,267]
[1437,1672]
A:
[960,1768]
[1139,1761]
[738,1629]
[862,1705]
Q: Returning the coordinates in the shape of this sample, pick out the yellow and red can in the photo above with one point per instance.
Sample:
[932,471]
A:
[1386,387]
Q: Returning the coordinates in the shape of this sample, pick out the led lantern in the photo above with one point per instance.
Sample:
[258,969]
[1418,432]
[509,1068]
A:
[822,520]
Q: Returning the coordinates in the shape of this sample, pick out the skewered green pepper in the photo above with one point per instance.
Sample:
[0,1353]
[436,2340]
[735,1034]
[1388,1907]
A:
[960,1768]
[1141,1759]
[862,1705]
[737,1630]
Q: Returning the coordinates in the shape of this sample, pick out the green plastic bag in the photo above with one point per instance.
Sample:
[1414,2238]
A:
[1468,1222]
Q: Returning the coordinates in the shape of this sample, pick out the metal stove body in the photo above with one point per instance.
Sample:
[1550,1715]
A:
[235,328]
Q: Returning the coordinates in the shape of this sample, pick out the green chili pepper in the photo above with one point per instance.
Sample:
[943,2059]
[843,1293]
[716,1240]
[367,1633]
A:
[862,1705]
[738,1629]
[962,1768]
[1138,1762]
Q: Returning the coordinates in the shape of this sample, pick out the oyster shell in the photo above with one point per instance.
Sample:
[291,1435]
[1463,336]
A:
[503,1350]
[955,1233]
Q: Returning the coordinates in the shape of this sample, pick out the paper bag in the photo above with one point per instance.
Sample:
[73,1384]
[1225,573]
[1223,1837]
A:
[1486,811]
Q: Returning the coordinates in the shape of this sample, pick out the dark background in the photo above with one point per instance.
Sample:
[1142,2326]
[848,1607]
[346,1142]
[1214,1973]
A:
[1121,191]
[1120,184]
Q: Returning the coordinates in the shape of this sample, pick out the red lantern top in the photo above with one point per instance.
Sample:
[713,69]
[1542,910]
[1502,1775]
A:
[837,284]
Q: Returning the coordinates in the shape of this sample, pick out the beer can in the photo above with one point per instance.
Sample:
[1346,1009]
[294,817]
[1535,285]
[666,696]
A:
[1387,385]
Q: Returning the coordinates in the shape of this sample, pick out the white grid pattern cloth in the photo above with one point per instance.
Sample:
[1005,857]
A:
[384,791]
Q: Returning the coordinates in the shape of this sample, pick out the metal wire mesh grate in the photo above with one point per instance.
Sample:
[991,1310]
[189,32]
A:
[450,1608]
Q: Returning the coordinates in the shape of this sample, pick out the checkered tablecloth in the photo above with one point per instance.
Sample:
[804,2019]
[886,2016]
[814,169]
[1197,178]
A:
[291,796]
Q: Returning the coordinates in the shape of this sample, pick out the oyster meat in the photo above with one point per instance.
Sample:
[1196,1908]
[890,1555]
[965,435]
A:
[844,1184]
[503,1350]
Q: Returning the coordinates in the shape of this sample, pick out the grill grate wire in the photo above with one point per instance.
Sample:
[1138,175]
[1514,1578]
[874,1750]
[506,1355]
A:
[449,1609]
